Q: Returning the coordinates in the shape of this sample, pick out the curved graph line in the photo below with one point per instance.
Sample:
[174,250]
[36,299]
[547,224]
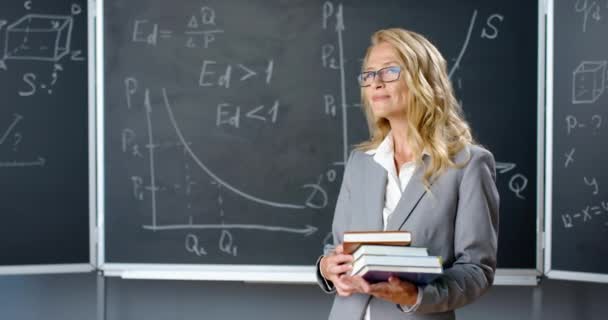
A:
[465,45]
[212,175]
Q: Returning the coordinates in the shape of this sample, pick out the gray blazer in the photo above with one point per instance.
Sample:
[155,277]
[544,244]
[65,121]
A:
[457,220]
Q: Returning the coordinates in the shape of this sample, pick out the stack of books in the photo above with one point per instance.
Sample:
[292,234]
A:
[378,255]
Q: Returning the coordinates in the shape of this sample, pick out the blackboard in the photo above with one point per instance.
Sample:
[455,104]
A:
[227,124]
[44,155]
[579,214]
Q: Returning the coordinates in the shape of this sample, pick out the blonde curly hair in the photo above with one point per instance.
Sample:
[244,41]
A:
[435,120]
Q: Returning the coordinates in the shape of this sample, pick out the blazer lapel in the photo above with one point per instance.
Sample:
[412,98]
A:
[413,193]
[376,178]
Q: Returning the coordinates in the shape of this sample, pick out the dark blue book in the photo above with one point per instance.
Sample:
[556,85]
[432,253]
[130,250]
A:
[416,275]
[416,269]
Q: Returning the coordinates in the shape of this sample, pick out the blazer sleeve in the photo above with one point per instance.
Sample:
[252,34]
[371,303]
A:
[339,221]
[475,240]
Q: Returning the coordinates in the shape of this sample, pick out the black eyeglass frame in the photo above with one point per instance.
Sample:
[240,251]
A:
[376,73]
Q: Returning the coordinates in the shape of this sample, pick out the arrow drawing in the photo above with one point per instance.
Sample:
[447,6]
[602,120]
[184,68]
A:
[14,164]
[307,230]
[504,167]
[339,29]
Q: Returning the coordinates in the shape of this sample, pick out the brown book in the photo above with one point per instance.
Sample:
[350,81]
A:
[354,239]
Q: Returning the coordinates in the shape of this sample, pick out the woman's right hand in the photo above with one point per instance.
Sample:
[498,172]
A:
[336,267]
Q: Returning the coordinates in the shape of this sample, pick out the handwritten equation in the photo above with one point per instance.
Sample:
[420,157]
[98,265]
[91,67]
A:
[200,30]
[581,124]
[590,214]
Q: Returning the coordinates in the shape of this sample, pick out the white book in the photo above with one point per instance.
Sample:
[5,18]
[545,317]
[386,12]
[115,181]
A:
[397,261]
[383,250]
[377,236]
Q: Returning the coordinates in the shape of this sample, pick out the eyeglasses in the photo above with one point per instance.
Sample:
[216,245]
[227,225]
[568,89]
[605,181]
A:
[388,74]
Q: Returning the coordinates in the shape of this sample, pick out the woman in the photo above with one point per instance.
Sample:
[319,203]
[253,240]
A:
[421,172]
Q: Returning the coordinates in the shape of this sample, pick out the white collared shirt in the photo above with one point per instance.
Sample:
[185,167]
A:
[395,186]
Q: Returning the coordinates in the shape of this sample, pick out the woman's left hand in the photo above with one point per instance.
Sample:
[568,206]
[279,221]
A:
[395,290]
